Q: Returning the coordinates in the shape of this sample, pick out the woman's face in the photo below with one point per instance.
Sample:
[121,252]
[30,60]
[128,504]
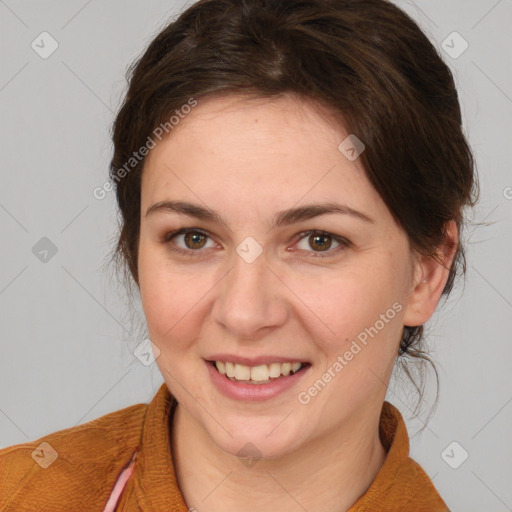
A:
[263,277]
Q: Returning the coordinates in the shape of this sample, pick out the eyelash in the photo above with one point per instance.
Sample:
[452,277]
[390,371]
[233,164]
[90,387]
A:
[344,243]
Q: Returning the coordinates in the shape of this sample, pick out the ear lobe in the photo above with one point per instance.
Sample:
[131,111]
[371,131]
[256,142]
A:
[430,277]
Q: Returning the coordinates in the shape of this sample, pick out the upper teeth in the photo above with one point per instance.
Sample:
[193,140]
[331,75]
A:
[262,372]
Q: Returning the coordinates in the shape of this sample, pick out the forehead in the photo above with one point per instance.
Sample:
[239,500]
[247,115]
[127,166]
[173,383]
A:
[256,152]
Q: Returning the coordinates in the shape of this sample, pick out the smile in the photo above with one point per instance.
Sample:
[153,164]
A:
[260,374]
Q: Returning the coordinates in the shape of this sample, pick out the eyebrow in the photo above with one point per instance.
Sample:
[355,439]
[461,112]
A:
[284,217]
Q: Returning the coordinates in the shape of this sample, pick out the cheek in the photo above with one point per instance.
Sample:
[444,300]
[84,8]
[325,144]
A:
[342,303]
[171,297]
[363,313]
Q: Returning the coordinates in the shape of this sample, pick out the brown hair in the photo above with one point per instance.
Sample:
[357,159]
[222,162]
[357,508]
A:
[366,60]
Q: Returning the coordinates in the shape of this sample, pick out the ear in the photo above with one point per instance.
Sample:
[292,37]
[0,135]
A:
[430,277]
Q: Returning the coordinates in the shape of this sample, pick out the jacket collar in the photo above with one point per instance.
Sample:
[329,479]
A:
[156,485]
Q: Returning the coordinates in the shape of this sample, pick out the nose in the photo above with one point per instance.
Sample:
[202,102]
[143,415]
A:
[251,299]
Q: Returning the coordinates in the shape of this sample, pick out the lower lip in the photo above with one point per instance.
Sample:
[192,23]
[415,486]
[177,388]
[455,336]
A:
[253,392]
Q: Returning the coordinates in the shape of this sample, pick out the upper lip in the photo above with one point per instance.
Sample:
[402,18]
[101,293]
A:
[254,361]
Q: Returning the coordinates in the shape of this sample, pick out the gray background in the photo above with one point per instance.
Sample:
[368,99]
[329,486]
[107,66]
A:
[66,342]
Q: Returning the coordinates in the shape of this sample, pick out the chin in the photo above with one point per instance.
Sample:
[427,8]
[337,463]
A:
[261,440]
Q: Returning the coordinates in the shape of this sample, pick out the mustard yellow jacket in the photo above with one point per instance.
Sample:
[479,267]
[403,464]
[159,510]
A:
[81,468]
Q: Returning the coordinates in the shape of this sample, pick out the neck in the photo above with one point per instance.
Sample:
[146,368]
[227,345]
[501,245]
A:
[329,473]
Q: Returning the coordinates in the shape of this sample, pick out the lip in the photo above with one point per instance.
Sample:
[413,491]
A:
[254,361]
[253,392]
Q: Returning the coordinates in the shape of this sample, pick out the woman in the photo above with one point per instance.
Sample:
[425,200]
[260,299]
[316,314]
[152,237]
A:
[292,178]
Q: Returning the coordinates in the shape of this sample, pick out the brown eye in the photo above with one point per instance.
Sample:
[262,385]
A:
[188,242]
[195,239]
[320,242]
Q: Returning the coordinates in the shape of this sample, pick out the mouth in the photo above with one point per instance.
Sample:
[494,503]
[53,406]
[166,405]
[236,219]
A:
[260,374]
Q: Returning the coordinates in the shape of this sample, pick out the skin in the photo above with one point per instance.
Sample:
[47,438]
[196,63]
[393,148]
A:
[248,160]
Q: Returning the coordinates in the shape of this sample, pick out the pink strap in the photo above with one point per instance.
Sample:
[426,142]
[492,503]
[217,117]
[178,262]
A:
[120,484]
